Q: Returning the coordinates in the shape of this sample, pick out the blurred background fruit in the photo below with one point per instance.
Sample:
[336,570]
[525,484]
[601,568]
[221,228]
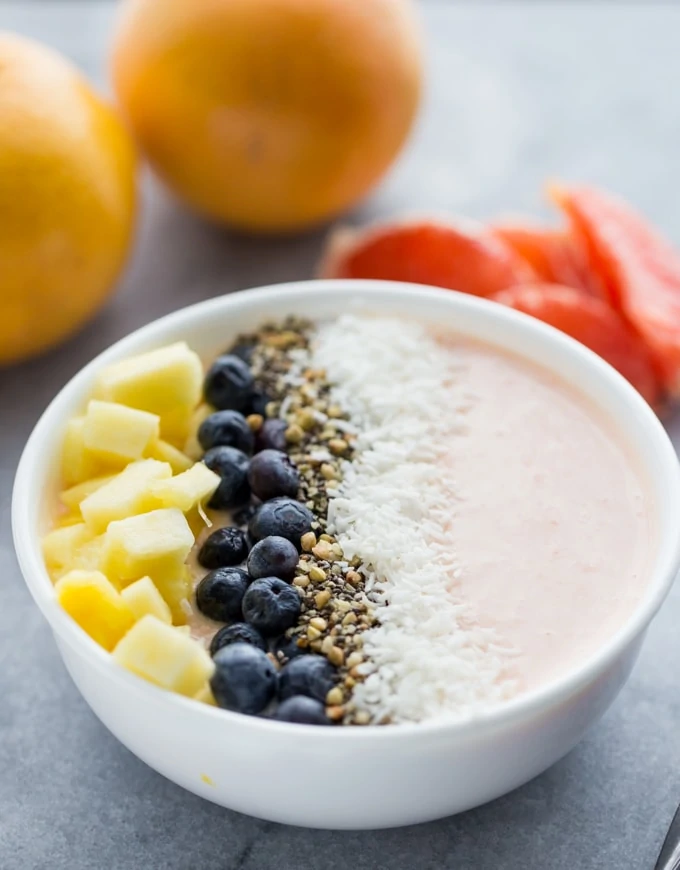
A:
[269,115]
[67,198]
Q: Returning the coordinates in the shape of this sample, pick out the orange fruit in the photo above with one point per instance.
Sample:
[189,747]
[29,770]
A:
[67,197]
[269,115]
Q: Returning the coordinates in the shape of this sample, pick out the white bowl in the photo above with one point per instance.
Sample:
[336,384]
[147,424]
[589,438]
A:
[355,777]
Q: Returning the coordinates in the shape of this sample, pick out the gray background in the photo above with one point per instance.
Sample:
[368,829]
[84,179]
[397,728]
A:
[517,92]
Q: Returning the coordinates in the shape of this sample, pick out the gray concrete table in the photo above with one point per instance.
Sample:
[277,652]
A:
[517,92]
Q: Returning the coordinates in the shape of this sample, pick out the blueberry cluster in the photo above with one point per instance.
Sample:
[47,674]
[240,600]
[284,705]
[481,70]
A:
[248,586]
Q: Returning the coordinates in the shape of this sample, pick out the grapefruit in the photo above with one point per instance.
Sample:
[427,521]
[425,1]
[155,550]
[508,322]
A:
[638,268]
[592,322]
[461,256]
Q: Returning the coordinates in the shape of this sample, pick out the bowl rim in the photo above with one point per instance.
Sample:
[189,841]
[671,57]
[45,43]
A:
[496,716]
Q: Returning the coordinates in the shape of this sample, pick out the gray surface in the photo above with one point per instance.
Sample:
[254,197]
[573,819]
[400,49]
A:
[509,103]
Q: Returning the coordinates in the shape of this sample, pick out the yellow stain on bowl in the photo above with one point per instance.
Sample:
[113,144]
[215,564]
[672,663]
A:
[207,780]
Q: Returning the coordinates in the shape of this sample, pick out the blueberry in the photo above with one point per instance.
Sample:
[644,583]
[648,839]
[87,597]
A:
[304,711]
[228,384]
[224,548]
[271,605]
[232,466]
[220,593]
[239,632]
[226,428]
[244,679]
[243,350]
[272,436]
[243,516]
[285,648]
[281,516]
[258,402]
[272,474]
[311,675]
[273,557]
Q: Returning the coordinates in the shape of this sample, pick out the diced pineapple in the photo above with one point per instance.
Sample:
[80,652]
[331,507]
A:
[73,496]
[205,695]
[116,430]
[68,519]
[191,447]
[159,449]
[176,425]
[199,518]
[77,462]
[154,544]
[143,597]
[60,546]
[176,591]
[88,557]
[184,629]
[93,602]
[160,381]
[125,495]
[162,655]
[186,490]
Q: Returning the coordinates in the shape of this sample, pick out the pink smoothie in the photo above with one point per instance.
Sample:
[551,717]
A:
[553,526]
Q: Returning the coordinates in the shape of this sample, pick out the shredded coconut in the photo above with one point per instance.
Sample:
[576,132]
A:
[428,657]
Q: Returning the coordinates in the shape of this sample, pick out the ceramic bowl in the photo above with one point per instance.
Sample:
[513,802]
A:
[366,777]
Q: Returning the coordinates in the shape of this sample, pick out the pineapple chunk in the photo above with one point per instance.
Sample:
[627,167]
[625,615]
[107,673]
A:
[116,430]
[160,381]
[191,447]
[183,629]
[88,557]
[68,519]
[205,695]
[60,546]
[143,597]
[159,449]
[186,490]
[176,591]
[199,519]
[160,654]
[92,601]
[125,495]
[154,544]
[77,462]
[73,496]
[176,425]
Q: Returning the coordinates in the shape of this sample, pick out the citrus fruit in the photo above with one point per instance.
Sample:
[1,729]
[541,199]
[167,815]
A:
[592,322]
[269,115]
[67,196]
[463,256]
[555,256]
[638,268]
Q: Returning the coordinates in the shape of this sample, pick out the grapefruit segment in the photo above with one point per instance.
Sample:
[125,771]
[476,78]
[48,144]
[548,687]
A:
[592,322]
[555,256]
[466,257]
[639,270]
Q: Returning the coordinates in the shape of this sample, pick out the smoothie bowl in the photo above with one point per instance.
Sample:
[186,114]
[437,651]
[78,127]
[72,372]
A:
[401,542]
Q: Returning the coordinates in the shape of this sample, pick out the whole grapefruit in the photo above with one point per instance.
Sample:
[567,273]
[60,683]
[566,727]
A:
[67,198]
[269,115]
